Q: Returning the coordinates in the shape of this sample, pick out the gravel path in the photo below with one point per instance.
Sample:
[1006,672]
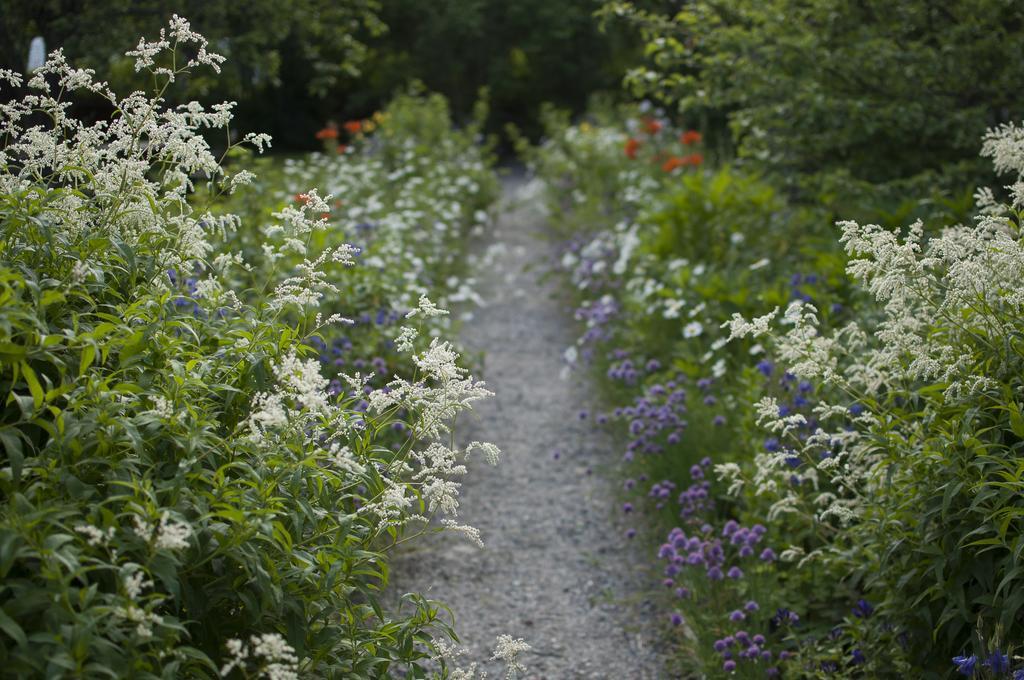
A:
[556,568]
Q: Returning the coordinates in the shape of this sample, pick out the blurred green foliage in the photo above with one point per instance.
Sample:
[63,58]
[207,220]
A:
[870,91]
[294,64]
[284,59]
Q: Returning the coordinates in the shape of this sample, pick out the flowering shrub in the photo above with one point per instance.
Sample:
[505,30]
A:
[835,497]
[191,484]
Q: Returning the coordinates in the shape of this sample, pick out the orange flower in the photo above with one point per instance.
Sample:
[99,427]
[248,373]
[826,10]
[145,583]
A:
[672,163]
[632,146]
[329,132]
[301,198]
[652,126]
[690,137]
[693,159]
[354,126]
[342,149]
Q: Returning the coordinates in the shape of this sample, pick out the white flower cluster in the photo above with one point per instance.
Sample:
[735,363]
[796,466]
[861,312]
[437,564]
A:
[167,534]
[266,656]
[948,306]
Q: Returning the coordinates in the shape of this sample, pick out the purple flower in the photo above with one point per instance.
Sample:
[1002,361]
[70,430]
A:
[676,619]
[668,583]
[735,572]
[696,472]
[765,367]
[715,574]
[627,507]
[630,533]
[998,662]
[683,593]
[863,609]
[752,606]
[857,657]
[965,664]
[720,646]
[583,415]
[729,666]
[718,421]
[737,615]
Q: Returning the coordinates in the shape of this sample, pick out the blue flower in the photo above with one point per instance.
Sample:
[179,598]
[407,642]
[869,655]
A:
[857,657]
[965,664]
[863,609]
[998,662]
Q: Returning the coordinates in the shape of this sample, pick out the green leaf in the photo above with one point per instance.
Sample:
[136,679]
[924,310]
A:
[88,356]
[13,630]
[34,387]
[13,448]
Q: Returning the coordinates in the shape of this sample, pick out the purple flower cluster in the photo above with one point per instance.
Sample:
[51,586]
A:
[658,410]
[696,498]
[742,647]
[597,314]
[997,664]
[708,551]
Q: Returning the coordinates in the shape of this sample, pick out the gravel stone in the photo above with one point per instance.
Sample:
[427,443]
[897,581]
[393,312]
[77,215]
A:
[556,568]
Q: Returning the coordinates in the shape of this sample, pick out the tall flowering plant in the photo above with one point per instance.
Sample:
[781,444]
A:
[912,467]
[184,490]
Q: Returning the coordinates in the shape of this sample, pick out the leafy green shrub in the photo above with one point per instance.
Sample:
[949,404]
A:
[184,492]
[875,89]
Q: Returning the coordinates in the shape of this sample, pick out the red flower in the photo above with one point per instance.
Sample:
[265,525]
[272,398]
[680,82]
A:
[329,132]
[672,163]
[301,198]
[690,137]
[632,146]
[652,126]
[354,126]
[693,159]
[342,149]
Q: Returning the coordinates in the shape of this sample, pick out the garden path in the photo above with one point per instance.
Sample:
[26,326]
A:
[556,568]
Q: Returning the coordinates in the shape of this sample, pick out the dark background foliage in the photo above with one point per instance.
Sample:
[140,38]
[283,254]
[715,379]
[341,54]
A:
[292,65]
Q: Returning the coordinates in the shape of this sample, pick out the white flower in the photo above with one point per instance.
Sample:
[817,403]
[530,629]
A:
[94,535]
[172,534]
[508,650]
[693,329]
[426,308]
[760,264]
